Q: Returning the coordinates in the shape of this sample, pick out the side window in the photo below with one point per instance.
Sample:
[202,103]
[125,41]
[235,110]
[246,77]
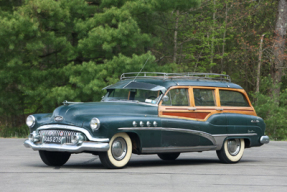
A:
[232,98]
[142,95]
[204,97]
[177,97]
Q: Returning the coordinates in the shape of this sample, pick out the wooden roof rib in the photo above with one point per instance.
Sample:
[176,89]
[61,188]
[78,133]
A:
[187,75]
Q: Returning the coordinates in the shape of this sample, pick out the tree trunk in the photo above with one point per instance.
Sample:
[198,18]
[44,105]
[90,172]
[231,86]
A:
[212,38]
[175,37]
[279,46]
[224,40]
[259,64]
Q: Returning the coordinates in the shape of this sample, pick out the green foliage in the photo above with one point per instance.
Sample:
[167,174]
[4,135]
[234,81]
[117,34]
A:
[273,113]
[20,131]
[52,51]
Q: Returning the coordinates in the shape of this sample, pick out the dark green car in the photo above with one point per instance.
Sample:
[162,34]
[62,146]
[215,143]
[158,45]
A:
[152,113]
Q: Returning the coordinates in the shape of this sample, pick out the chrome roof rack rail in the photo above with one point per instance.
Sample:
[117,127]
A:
[165,76]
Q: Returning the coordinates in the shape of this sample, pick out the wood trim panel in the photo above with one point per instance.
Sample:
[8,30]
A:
[193,115]
[202,113]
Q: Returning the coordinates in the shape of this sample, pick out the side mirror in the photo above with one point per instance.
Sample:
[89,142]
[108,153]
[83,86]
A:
[165,98]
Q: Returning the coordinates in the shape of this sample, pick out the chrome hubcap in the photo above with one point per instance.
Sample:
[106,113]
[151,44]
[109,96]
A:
[233,146]
[119,148]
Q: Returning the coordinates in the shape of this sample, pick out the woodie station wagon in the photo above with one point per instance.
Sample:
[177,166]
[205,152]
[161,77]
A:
[151,113]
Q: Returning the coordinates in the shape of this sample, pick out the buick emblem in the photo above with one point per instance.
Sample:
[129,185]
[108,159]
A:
[61,133]
[58,118]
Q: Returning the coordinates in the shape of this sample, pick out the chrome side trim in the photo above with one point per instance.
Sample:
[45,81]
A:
[190,131]
[74,128]
[177,149]
[264,139]
[85,146]
[216,140]
[236,135]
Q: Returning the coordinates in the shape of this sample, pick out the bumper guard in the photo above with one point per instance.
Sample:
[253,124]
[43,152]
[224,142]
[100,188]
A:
[264,139]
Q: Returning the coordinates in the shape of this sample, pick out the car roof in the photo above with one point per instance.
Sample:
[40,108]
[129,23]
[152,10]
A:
[167,83]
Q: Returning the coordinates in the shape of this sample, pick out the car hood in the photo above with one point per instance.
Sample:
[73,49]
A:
[73,112]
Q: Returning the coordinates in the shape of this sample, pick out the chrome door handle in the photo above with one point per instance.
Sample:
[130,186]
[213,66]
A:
[219,109]
[191,108]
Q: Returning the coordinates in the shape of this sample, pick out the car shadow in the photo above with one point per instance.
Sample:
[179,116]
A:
[94,163]
[178,162]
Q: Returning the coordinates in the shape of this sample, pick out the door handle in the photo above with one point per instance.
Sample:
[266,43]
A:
[219,109]
[191,108]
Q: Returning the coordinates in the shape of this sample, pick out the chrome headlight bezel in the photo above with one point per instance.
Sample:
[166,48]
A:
[95,124]
[30,121]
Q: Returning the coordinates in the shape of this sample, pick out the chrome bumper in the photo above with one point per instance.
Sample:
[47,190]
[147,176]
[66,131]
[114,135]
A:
[85,146]
[264,139]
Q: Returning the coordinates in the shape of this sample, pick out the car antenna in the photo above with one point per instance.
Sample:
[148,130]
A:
[137,74]
[141,69]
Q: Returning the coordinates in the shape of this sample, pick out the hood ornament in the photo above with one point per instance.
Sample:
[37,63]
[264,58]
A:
[69,103]
[58,118]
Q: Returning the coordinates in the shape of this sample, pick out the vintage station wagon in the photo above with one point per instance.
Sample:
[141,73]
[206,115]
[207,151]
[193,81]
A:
[152,113]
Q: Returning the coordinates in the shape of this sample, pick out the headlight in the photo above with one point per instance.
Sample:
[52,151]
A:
[30,121]
[95,124]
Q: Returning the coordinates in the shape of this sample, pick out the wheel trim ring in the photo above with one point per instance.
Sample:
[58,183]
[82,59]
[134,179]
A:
[119,148]
[233,146]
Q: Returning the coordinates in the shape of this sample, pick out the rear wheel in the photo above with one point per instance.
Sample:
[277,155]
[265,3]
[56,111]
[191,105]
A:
[52,158]
[231,151]
[168,156]
[119,153]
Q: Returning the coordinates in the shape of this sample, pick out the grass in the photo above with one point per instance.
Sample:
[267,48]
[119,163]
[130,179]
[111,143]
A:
[14,132]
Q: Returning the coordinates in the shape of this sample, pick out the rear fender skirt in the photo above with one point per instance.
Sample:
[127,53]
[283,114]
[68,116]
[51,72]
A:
[220,138]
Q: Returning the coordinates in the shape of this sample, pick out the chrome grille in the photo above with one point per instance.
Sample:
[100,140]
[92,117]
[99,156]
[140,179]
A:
[58,133]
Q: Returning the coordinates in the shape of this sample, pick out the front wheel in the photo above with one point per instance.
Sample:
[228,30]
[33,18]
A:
[231,151]
[52,158]
[119,153]
[168,156]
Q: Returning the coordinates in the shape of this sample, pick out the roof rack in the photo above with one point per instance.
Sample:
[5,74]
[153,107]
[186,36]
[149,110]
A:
[165,76]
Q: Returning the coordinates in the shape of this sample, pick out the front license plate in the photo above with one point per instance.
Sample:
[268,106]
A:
[51,139]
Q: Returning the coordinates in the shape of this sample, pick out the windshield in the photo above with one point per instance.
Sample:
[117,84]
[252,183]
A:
[135,95]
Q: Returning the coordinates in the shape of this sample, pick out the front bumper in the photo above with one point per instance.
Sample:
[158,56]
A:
[85,146]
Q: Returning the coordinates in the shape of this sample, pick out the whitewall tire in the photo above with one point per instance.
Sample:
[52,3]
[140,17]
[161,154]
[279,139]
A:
[231,151]
[119,153]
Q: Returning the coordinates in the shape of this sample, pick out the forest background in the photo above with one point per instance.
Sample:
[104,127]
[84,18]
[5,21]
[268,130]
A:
[51,51]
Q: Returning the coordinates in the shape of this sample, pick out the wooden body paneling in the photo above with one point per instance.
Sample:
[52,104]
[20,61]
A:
[202,113]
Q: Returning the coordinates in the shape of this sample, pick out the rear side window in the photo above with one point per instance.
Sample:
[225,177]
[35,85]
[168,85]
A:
[204,97]
[232,98]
